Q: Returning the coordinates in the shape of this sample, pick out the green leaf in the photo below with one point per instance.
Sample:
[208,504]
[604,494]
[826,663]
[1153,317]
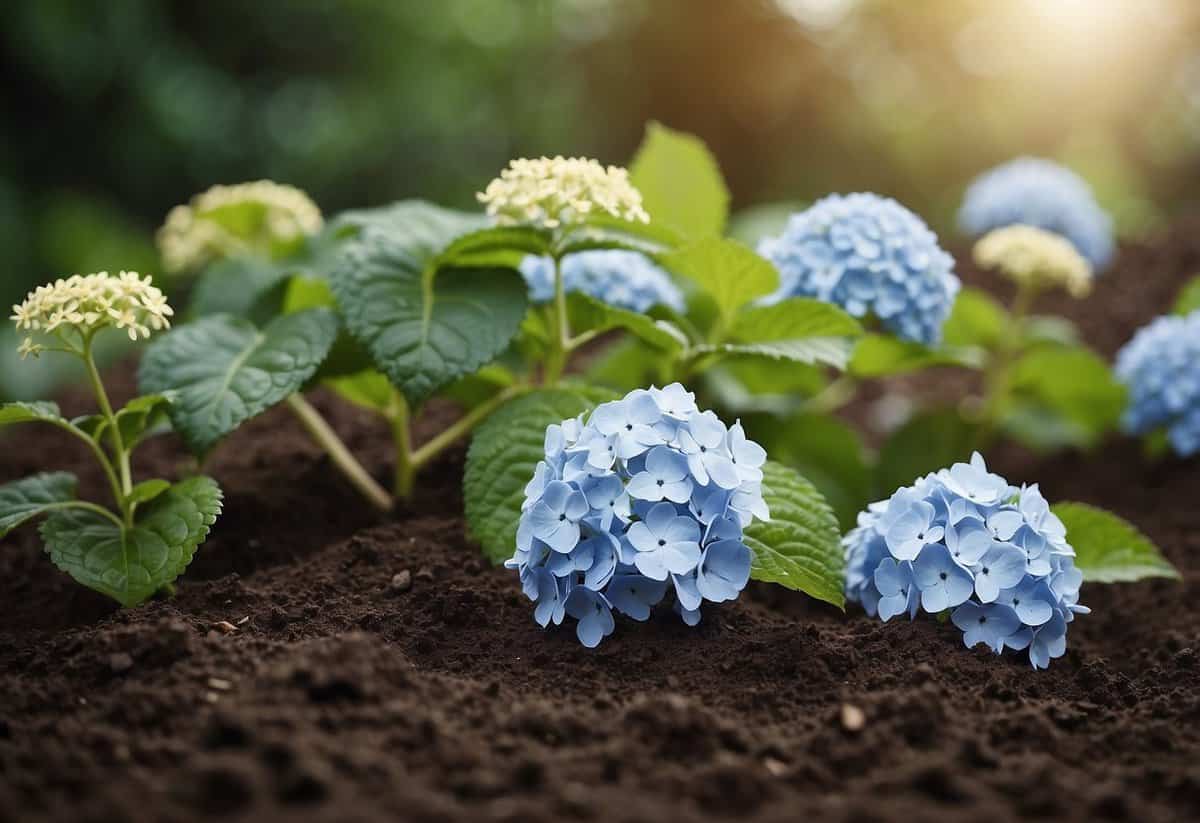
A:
[798,329]
[367,389]
[1049,329]
[928,442]
[147,490]
[495,247]
[131,564]
[800,547]
[423,327]
[36,412]
[827,451]
[1109,549]
[726,270]
[503,455]
[976,320]
[601,231]
[224,371]
[589,314]
[1072,384]
[752,224]
[25,499]
[236,286]
[1189,298]
[881,355]
[626,365]
[680,182]
[144,417]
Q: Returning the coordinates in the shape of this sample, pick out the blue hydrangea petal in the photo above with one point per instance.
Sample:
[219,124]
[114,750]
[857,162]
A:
[1049,642]
[592,611]
[724,570]
[944,584]
[634,595]
[1001,567]
[687,592]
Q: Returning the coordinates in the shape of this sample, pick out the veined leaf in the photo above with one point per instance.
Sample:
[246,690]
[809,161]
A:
[680,182]
[36,412]
[588,313]
[832,351]
[147,490]
[880,355]
[25,499]
[799,329]
[502,458]
[424,327]
[729,272]
[495,247]
[800,546]
[224,371]
[1109,549]
[130,564]
[1072,384]
[605,232]
[236,285]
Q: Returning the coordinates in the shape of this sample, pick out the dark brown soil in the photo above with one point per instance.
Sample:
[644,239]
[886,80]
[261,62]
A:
[344,696]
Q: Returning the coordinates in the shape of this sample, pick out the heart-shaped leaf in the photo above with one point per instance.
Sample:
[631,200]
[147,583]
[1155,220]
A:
[223,370]
[680,182]
[425,326]
[130,564]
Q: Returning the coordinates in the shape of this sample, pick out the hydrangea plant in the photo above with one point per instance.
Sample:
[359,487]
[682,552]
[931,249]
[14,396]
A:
[1161,368]
[963,540]
[148,538]
[644,495]
[1035,192]
[869,255]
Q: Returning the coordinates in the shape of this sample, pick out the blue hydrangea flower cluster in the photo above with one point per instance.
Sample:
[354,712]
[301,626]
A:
[1161,368]
[648,494]
[964,539]
[620,278]
[1034,192]
[867,254]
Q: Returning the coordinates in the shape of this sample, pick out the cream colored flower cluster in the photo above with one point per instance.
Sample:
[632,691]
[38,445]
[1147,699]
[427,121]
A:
[194,235]
[1035,258]
[88,303]
[560,191]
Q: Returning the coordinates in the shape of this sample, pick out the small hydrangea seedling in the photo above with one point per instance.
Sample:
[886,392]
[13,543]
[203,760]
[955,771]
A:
[1161,368]
[963,539]
[149,539]
[871,256]
[1034,192]
[645,495]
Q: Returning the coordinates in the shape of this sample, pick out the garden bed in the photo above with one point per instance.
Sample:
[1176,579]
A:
[325,662]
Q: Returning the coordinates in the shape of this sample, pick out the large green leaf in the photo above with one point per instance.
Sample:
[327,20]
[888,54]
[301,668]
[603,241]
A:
[1063,396]
[236,285]
[1189,297]
[1109,549]
[827,452]
[25,499]
[425,327]
[800,546]
[224,371]
[36,412]
[976,320]
[503,455]
[680,182]
[880,355]
[729,272]
[589,314]
[928,442]
[797,329]
[130,564]
[601,231]
[497,246]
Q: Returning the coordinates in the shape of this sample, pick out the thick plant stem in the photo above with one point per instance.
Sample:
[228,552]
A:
[560,331]
[406,468]
[327,439]
[118,445]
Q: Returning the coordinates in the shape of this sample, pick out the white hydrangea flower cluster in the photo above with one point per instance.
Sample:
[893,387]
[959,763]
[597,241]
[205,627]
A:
[88,303]
[195,234]
[1035,258]
[549,193]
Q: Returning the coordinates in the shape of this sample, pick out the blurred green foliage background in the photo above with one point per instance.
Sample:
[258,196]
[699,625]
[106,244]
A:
[115,110]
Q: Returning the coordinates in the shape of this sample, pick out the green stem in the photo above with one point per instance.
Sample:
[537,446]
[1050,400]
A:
[346,463]
[997,377]
[86,506]
[118,443]
[560,331]
[831,398]
[406,469]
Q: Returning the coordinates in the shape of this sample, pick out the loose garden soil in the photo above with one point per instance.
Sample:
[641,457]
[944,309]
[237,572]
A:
[321,662]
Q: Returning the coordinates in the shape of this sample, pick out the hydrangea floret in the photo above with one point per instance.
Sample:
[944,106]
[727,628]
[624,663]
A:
[235,219]
[559,191]
[869,255]
[74,309]
[1161,368]
[965,541]
[625,279]
[1034,259]
[646,495]
[1035,192]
